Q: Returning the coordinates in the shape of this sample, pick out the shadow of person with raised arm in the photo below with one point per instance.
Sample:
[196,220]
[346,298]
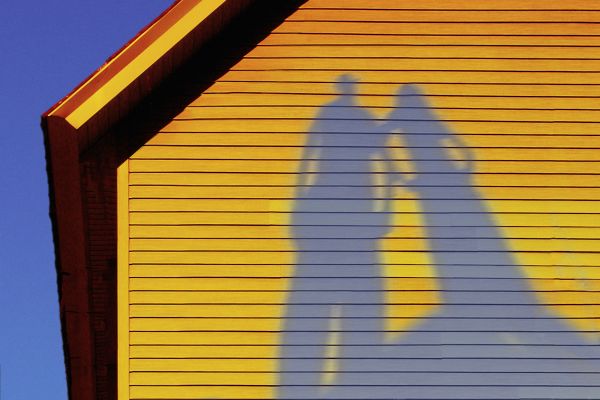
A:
[491,337]
[341,211]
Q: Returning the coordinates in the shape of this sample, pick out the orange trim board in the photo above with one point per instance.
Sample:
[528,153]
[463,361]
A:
[129,63]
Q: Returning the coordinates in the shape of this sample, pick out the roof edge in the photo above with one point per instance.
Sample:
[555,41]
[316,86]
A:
[66,215]
[110,58]
[129,63]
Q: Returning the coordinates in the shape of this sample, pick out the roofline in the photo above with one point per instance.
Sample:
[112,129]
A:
[52,109]
[77,122]
[128,64]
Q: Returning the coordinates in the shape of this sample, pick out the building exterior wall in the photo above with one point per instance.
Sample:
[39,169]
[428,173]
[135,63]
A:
[500,225]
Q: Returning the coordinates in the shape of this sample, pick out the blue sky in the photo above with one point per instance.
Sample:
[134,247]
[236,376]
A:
[47,48]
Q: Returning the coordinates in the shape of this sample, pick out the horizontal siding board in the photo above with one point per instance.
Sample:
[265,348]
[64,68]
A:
[252,338]
[283,271]
[282,245]
[208,323]
[218,298]
[197,325]
[244,140]
[343,153]
[179,205]
[381,83]
[233,393]
[273,231]
[432,76]
[277,113]
[260,351]
[510,84]
[444,16]
[258,311]
[493,5]
[420,64]
[274,179]
[465,378]
[274,113]
[425,52]
[280,166]
[203,287]
[195,338]
[286,193]
[469,127]
[565,28]
[438,392]
[235,258]
[441,392]
[542,38]
[183,393]
[308,89]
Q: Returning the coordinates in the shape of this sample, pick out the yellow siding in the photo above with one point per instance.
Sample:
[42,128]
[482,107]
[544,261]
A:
[209,197]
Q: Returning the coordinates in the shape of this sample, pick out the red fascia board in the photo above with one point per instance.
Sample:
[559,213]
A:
[66,213]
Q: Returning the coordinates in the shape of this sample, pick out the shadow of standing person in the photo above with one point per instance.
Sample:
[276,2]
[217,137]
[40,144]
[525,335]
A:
[491,337]
[340,213]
